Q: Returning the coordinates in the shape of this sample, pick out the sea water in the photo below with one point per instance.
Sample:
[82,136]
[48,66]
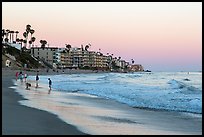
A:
[169,91]
[121,103]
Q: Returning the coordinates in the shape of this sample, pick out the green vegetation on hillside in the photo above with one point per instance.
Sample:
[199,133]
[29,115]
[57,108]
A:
[21,56]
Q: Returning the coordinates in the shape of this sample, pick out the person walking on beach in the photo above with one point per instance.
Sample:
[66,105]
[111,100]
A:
[25,76]
[16,75]
[37,78]
[50,84]
[21,76]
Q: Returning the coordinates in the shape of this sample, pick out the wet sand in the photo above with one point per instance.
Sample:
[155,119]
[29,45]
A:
[21,120]
[93,115]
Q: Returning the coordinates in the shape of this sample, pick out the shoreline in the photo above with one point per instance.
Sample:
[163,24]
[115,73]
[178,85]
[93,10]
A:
[38,122]
[94,115]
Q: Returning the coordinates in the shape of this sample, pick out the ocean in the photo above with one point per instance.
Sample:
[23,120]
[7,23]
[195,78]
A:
[171,91]
[122,103]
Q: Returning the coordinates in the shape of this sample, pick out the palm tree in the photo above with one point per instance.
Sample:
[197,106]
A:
[17,40]
[16,34]
[3,34]
[7,34]
[25,43]
[12,33]
[10,36]
[30,42]
[31,32]
[82,47]
[68,47]
[86,47]
[25,36]
[132,61]
[43,43]
[28,28]
[33,40]
[21,41]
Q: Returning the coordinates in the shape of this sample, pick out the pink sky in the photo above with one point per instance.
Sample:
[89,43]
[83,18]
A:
[160,36]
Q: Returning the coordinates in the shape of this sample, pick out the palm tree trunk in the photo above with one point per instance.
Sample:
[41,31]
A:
[16,35]
[10,37]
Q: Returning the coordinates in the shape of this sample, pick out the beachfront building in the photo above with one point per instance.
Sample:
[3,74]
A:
[100,61]
[78,58]
[57,62]
[47,54]
[71,59]
[136,67]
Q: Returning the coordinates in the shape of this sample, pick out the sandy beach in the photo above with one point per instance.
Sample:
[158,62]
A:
[90,114]
[21,120]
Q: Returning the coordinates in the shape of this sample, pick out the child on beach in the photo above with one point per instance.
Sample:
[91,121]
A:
[50,84]
[27,86]
[37,78]
[16,75]
[21,76]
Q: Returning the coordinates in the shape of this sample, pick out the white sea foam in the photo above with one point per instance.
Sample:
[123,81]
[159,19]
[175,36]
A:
[78,99]
[158,90]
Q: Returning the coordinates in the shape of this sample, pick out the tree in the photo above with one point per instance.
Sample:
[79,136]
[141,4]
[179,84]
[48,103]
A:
[17,40]
[12,33]
[82,47]
[21,41]
[32,31]
[16,34]
[28,28]
[68,47]
[132,61]
[25,41]
[10,36]
[30,42]
[7,34]
[6,39]
[43,43]
[25,35]
[87,46]
[2,34]
[33,40]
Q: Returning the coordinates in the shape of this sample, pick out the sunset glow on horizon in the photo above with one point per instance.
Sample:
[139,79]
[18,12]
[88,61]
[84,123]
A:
[162,36]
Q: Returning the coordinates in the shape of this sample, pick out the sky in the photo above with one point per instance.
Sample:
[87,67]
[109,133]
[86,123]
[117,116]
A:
[162,36]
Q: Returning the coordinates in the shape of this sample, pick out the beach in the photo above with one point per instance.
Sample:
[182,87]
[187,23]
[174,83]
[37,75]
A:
[21,120]
[90,114]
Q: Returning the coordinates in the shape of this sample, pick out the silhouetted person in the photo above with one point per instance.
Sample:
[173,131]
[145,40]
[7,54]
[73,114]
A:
[37,79]
[50,85]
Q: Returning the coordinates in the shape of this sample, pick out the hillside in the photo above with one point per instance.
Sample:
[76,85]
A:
[18,58]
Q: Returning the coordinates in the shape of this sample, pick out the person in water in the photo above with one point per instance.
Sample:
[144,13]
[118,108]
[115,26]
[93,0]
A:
[50,85]
[37,79]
